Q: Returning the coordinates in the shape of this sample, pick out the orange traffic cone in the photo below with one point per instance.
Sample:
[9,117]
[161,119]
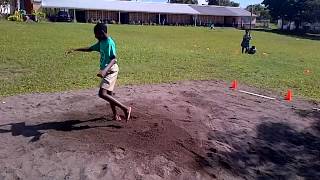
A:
[289,96]
[234,85]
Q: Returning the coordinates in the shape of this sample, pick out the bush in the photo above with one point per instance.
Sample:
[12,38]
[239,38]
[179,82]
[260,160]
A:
[16,17]
[39,16]
[13,18]
[3,16]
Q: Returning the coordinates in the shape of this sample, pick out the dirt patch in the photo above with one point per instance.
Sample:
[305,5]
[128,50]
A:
[190,130]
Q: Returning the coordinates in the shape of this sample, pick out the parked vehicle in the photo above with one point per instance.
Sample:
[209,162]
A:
[61,16]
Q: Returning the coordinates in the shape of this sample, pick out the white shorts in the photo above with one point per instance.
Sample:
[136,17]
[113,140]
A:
[109,81]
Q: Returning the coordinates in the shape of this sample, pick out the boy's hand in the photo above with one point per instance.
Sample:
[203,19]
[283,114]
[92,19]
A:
[103,73]
[99,74]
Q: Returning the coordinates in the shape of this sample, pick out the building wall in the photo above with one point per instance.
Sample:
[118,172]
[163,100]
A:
[232,21]
[144,18]
[139,17]
[36,6]
[179,19]
[204,19]
[147,18]
[102,15]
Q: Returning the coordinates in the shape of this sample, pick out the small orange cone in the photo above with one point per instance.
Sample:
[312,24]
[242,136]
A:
[234,85]
[289,96]
[307,72]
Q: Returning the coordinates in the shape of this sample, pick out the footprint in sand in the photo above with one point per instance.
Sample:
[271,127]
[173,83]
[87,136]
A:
[189,111]
[99,171]
[103,171]
[167,107]
[119,153]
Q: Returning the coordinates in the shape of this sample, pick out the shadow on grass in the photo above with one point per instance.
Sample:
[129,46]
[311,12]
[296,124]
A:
[34,131]
[291,34]
[278,152]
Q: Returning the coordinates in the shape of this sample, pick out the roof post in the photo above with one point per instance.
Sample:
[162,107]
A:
[159,19]
[119,17]
[18,5]
[74,16]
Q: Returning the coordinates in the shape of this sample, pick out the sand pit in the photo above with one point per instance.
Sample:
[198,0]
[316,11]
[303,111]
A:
[190,130]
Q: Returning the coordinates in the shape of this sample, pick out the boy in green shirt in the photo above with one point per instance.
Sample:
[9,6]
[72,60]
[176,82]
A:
[108,68]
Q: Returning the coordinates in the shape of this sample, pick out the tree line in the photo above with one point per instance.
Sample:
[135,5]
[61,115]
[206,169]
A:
[297,11]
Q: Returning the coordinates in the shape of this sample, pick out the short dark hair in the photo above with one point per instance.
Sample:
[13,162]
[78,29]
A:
[100,28]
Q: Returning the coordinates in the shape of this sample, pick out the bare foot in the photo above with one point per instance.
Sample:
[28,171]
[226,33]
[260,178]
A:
[128,114]
[117,118]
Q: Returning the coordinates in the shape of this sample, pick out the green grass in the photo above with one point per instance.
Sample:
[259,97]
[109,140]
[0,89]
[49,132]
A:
[32,58]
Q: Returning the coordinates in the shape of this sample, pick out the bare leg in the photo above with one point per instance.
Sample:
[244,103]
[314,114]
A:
[113,108]
[103,93]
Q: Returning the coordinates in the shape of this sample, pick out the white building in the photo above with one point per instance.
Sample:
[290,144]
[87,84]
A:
[5,9]
[133,12]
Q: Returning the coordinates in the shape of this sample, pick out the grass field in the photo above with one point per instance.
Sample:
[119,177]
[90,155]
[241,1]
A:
[32,58]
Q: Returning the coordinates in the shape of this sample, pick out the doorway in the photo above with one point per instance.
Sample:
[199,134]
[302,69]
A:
[124,18]
[80,16]
[163,19]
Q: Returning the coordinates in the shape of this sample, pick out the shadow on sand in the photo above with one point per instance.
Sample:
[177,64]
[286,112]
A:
[34,131]
[278,151]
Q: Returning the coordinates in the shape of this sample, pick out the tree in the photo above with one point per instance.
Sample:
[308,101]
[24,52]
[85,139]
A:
[4,2]
[276,8]
[294,10]
[289,10]
[261,11]
[311,12]
[223,3]
[184,1]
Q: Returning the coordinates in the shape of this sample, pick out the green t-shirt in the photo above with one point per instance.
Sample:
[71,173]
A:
[107,49]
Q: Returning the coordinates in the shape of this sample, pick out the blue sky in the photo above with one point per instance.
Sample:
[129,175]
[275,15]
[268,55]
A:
[243,3]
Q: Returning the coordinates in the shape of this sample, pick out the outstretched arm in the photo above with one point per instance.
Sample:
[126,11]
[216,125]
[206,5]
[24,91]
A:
[85,49]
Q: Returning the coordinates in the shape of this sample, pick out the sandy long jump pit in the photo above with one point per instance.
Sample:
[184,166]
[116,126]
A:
[189,130]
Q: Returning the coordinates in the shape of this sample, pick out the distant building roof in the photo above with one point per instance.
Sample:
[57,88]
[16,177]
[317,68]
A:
[221,10]
[240,11]
[150,7]
[127,6]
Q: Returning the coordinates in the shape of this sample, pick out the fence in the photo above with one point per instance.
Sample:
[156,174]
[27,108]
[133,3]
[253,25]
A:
[262,24]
